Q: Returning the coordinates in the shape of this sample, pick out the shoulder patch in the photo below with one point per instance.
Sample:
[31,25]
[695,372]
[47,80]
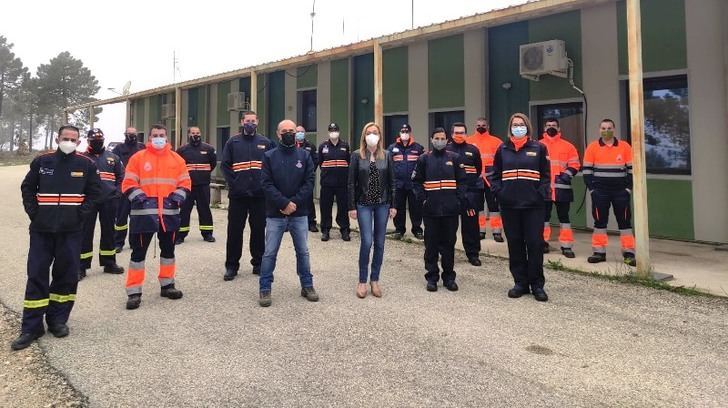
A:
[343,149]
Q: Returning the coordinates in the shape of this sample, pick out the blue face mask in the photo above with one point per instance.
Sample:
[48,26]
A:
[159,142]
[300,136]
[519,131]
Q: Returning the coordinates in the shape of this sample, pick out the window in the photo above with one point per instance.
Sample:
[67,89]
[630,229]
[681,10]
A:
[223,134]
[307,109]
[571,122]
[443,120]
[667,124]
[392,125]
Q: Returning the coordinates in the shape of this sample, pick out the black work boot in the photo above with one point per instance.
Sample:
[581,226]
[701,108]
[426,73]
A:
[58,330]
[482,236]
[325,236]
[546,248]
[113,269]
[134,301]
[25,340]
[597,257]
[345,235]
[517,292]
[179,240]
[170,292]
[419,235]
[498,237]
[209,238]
[540,295]
[230,274]
[81,274]
[568,252]
[310,294]
[629,259]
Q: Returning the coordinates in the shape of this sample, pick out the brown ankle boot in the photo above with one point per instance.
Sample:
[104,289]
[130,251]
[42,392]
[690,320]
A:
[376,290]
[361,290]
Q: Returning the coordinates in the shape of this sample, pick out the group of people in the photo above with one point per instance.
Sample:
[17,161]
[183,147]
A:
[148,189]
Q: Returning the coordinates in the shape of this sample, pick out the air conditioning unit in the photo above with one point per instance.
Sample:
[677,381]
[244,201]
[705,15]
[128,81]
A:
[168,111]
[544,58]
[237,102]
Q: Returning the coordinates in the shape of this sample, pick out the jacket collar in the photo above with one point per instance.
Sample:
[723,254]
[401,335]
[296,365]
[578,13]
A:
[616,142]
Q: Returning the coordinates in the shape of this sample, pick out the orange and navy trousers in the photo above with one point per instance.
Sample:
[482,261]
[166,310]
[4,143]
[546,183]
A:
[566,234]
[619,201]
[139,243]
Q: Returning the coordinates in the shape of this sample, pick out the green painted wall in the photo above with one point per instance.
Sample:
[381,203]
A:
[223,118]
[340,96]
[139,119]
[193,105]
[261,108]
[363,71]
[202,106]
[503,63]
[566,27]
[155,109]
[307,76]
[664,45]
[670,208]
[395,79]
[446,72]
[276,101]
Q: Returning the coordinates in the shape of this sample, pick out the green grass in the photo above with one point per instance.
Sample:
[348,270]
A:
[14,159]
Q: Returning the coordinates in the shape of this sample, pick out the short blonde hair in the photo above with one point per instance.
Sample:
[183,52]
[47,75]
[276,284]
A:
[363,142]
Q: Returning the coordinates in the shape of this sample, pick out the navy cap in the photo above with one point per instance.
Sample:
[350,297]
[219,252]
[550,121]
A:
[95,133]
[333,127]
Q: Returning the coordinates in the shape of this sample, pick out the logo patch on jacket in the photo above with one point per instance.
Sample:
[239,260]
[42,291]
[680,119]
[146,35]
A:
[325,149]
[462,166]
[76,174]
[110,161]
[532,154]
[147,166]
[449,163]
[619,157]
[343,149]
[46,171]
[395,150]
[203,152]
[261,146]
[299,164]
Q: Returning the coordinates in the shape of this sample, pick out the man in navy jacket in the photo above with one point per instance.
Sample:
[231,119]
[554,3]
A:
[287,179]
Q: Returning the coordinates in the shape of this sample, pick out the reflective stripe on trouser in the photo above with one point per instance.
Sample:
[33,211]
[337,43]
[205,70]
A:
[56,255]
[496,224]
[546,231]
[139,246]
[199,196]
[600,240]
[566,236]
[626,238]
[122,222]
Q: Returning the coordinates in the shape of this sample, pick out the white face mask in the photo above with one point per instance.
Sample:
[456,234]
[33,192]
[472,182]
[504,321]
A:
[372,139]
[334,135]
[404,136]
[67,147]
[159,142]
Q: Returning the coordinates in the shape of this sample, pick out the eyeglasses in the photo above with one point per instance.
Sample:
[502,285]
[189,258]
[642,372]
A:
[458,133]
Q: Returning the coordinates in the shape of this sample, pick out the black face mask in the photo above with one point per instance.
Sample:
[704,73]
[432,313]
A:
[552,131]
[130,139]
[481,130]
[288,139]
[195,140]
[97,146]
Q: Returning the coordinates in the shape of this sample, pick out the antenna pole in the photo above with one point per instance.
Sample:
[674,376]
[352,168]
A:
[313,14]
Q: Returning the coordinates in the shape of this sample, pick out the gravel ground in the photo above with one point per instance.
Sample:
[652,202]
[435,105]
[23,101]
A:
[596,343]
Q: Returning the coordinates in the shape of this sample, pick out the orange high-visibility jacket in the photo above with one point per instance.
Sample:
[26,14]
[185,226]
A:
[564,162]
[608,167]
[487,144]
[157,173]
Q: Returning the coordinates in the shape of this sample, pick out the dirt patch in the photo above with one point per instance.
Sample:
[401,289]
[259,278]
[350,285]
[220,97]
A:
[26,377]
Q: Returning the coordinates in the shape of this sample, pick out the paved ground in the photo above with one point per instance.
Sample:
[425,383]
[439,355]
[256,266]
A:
[595,343]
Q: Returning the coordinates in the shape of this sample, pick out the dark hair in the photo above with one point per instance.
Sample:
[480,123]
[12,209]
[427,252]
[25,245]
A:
[608,121]
[249,112]
[552,120]
[458,124]
[69,127]
[158,126]
[482,118]
[438,130]
[189,129]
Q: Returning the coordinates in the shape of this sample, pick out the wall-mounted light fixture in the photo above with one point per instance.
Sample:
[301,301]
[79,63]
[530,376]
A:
[364,101]
[507,86]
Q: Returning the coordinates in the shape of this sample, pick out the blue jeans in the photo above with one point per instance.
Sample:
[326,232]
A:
[372,227]
[274,229]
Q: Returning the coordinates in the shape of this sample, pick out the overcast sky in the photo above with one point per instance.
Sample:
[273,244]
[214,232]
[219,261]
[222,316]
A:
[135,40]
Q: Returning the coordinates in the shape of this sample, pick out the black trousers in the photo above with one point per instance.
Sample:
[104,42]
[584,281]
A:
[121,227]
[54,301]
[524,229]
[107,252]
[470,233]
[440,238]
[312,213]
[328,195]
[241,209]
[201,196]
[562,211]
[405,196]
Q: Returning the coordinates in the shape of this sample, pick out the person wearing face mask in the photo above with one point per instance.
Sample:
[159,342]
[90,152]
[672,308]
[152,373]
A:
[405,152]
[59,191]
[304,144]
[487,144]
[111,171]
[441,188]
[608,176]
[156,183]
[334,156]
[521,181]
[201,161]
[372,200]
[564,166]
[472,164]
[287,179]
[242,160]
[125,150]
